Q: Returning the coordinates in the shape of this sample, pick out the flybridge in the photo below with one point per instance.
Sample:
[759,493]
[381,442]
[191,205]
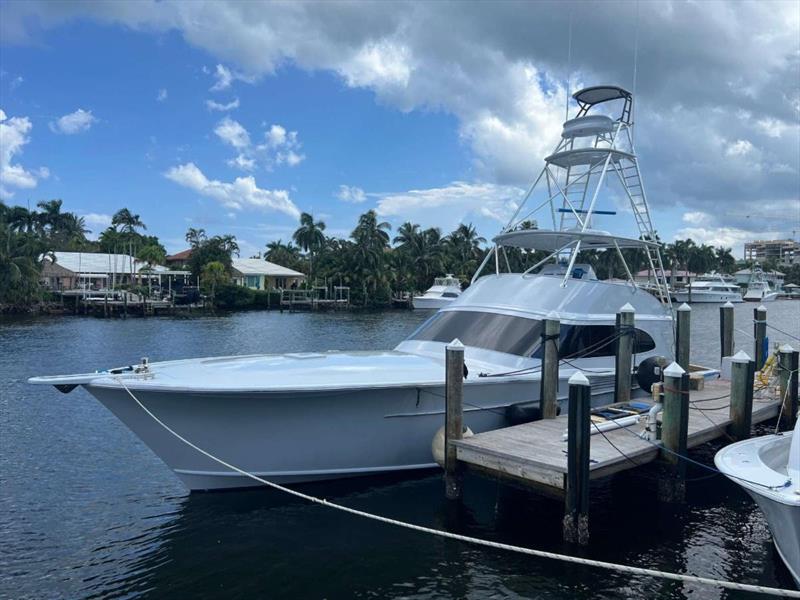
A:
[595,151]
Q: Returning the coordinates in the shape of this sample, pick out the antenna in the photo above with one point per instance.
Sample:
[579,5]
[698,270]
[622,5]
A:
[569,64]
[635,61]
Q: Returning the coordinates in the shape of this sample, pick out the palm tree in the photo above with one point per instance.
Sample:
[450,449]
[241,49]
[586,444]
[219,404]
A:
[406,234]
[51,216]
[127,221]
[230,244]
[195,237]
[214,275]
[310,237]
[726,263]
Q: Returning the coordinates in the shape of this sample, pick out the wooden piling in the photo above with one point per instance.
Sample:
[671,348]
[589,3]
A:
[741,408]
[674,432]
[548,389]
[576,506]
[624,353]
[454,416]
[682,333]
[787,376]
[726,330]
[760,334]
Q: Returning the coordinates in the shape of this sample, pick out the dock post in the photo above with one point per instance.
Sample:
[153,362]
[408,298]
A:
[576,508]
[741,409]
[548,389]
[787,373]
[674,432]
[682,333]
[125,304]
[454,416]
[760,334]
[726,330]
[624,353]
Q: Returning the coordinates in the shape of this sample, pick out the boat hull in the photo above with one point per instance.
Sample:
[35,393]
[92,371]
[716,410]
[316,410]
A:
[771,296]
[429,303]
[309,436]
[708,297]
[784,524]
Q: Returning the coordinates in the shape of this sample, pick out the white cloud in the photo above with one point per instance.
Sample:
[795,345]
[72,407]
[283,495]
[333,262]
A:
[729,237]
[285,146]
[16,82]
[695,217]
[459,202]
[225,77]
[74,122]
[13,136]
[162,95]
[96,222]
[739,148]
[211,105]
[351,193]
[231,132]
[291,158]
[242,162]
[275,136]
[496,69]
[237,195]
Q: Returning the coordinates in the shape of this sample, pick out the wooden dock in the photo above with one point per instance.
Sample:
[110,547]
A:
[536,452]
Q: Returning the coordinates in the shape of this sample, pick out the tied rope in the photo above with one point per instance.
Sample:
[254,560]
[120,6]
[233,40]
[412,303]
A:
[730,585]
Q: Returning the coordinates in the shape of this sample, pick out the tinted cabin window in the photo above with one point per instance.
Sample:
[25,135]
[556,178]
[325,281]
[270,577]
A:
[501,333]
[592,341]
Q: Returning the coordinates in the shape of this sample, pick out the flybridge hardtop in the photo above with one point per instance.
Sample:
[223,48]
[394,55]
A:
[370,412]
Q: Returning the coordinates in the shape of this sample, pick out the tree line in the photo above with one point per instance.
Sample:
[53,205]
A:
[373,261]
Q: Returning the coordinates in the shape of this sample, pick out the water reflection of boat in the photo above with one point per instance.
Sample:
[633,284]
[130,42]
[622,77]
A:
[326,415]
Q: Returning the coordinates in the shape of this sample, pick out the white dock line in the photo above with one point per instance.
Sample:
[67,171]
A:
[730,585]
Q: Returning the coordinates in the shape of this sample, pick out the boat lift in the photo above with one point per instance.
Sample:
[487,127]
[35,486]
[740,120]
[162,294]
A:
[594,148]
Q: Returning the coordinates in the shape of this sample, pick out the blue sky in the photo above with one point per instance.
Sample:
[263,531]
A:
[434,117]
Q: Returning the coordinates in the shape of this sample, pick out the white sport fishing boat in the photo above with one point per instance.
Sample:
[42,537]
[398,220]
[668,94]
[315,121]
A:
[443,291]
[768,468]
[324,415]
[758,288]
[711,288]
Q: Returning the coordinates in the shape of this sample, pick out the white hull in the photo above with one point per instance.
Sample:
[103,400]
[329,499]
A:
[707,297]
[759,297]
[431,302]
[300,437]
[767,468]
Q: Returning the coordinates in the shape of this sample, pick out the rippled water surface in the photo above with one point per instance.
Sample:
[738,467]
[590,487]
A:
[86,510]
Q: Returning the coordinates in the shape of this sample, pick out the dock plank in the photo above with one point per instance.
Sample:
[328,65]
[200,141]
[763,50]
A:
[535,452]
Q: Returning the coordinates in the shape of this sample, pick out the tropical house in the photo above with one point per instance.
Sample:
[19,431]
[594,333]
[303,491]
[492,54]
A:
[63,271]
[260,274]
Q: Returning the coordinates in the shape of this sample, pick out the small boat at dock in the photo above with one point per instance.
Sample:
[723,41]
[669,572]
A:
[712,288]
[758,288]
[768,469]
[443,291]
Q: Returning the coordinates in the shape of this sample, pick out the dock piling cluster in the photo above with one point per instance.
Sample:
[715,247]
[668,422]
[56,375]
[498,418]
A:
[533,453]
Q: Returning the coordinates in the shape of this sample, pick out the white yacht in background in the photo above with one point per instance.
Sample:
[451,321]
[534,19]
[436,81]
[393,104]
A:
[768,468]
[712,288]
[443,291]
[324,415]
[758,288]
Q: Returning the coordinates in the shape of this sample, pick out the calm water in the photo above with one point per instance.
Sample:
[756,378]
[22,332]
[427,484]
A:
[87,511]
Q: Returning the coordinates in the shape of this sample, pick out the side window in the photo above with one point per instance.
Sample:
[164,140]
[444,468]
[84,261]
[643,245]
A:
[643,342]
[586,341]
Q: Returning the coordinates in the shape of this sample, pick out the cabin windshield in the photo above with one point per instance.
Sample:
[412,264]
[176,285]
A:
[490,331]
[522,336]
